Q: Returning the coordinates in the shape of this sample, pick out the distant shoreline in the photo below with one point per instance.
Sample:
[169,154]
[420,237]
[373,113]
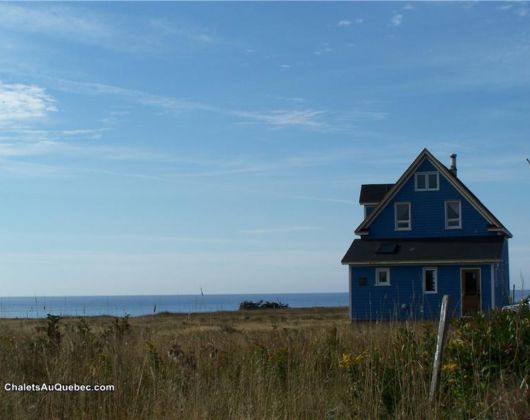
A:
[164,314]
[134,306]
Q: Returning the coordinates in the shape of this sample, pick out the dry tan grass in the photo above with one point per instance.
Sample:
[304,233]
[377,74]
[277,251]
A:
[295,363]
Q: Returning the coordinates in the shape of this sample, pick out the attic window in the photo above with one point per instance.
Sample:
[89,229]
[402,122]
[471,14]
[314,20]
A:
[427,181]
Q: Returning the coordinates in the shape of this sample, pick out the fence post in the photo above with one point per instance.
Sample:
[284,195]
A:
[440,344]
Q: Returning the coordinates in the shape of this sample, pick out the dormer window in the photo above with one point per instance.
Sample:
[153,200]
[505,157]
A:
[453,214]
[426,181]
[402,216]
[368,209]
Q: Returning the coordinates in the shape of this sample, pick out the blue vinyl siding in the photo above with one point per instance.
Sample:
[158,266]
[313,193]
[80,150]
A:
[428,213]
[404,298]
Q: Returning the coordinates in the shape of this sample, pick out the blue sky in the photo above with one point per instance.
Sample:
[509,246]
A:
[164,147]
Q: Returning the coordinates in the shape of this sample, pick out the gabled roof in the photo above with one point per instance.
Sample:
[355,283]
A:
[484,249]
[495,224]
[373,193]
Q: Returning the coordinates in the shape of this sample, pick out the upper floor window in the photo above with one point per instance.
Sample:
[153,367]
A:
[453,214]
[426,181]
[382,276]
[402,213]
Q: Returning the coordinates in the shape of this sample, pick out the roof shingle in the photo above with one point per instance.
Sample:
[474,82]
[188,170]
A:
[373,193]
[364,251]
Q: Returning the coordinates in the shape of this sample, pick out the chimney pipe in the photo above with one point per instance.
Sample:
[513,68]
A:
[452,168]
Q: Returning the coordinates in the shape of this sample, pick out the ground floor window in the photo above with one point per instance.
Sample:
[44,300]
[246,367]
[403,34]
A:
[430,280]
[382,276]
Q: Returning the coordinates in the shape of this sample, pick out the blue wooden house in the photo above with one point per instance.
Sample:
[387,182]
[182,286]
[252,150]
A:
[425,236]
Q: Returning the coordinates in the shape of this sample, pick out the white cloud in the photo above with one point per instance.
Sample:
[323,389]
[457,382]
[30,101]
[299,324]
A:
[285,66]
[359,20]
[19,102]
[396,19]
[409,6]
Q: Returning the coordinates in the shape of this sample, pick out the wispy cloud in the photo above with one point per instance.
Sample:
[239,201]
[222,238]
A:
[325,49]
[20,102]
[78,25]
[306,118]
[345,22]
[519,8]
[357,115]
[396,19]
[283,229]
[166,102]
[199,35]
[321,199]
[81,25]
[293,99]
[93,133]
[285,66]
[285,118]
[21,169]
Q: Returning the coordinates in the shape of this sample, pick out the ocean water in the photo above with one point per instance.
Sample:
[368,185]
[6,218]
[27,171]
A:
[39,307]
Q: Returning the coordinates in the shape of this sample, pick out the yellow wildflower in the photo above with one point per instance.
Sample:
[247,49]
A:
[346,360]
[450,367]
[456,342]
[360,357]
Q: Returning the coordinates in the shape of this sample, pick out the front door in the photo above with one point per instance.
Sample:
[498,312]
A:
[470,291]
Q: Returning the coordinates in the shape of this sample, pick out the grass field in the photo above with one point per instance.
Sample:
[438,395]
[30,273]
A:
[293,363]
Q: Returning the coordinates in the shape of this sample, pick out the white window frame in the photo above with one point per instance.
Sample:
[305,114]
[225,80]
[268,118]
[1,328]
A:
[426,175]
[396,227]
[459,214]
[382,270]
[430,292]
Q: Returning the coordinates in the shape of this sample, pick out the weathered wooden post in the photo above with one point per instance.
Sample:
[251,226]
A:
[440,345]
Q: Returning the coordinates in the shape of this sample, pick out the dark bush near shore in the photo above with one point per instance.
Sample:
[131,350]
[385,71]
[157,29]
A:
[248,304]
